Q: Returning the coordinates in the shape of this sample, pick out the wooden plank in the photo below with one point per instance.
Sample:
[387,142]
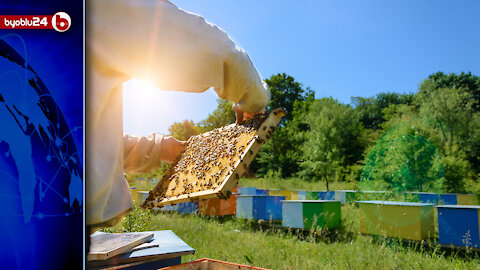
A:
[106,245]
[212,163]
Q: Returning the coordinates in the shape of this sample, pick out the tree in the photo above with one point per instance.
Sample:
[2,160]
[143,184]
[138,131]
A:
[332,140]
[465,81]
[281,153]
[183,130]
[403,160]
[222,116]
[370,109]
[286,92]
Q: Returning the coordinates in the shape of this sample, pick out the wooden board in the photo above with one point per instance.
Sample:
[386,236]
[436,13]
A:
[212,163]
[106,245]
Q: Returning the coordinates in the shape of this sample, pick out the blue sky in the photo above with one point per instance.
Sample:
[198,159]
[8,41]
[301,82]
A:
[338,48]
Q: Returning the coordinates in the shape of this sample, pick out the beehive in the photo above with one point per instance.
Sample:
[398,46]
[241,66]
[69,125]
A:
[217,206]
[326,195]
[252,191]
[212,163]
[305,214]
[405,220]
[459,225]
[346,196]
[448,199]
[312,195]
[278,192]
[458,199]
[259,207]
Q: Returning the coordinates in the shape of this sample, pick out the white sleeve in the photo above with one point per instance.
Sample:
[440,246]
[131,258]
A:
[175,50]
[141,154]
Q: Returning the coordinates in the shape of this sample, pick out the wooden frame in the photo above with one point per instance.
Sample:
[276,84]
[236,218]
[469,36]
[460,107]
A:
[229,168]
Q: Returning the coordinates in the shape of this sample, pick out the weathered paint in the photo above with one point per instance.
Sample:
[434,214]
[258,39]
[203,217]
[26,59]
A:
[405,220]
[459,225]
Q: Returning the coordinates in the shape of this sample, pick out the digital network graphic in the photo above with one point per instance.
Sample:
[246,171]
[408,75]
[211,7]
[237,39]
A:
[41,141]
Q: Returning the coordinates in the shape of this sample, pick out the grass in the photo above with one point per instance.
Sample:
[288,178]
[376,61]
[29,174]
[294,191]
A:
[276,248]
[248,242]
[295,184]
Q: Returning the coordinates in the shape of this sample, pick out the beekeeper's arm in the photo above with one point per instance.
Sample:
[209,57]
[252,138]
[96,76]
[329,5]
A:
[155,41]
[142,154]
[176,50]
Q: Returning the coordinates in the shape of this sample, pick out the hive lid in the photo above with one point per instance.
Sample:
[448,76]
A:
[212,162]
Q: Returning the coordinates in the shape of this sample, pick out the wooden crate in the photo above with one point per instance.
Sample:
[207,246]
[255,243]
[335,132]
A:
[209,264]
[259,207]
[218,207]
[305,214]
[458,225]
[405,220]
[212,163]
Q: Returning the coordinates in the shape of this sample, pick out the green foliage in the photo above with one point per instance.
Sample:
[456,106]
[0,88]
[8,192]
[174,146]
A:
[370,110]
[282,152]
[466,81]
[222,116]
[137,220]
[183,130]
[403,160]
[332,140]
[285,93]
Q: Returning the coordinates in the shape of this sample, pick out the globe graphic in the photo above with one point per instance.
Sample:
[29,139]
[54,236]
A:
[41,186]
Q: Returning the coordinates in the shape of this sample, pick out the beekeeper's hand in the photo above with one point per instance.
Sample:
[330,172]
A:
[171,149]
[242,115]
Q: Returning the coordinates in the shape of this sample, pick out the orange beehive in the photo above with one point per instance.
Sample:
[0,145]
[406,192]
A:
[218,207]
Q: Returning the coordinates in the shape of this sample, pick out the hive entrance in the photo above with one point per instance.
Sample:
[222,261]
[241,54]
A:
[212,162]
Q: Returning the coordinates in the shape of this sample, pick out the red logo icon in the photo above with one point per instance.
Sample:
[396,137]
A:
[61,21]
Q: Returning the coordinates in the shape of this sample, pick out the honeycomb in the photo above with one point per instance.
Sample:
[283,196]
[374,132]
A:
[212,162]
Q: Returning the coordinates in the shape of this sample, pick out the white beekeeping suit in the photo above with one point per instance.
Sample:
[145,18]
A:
[173,49]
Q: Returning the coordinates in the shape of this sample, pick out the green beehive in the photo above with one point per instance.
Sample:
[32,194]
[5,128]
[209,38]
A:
[306,214]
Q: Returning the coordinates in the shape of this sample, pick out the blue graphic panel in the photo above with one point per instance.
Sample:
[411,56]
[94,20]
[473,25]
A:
[41,158]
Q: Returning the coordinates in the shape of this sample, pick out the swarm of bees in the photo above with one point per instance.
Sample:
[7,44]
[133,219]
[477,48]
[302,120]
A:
[212,159]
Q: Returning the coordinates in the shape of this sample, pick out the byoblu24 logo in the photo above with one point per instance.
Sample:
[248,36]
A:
[61,21]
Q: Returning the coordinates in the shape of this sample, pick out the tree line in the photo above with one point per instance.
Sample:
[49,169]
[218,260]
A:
[426,140]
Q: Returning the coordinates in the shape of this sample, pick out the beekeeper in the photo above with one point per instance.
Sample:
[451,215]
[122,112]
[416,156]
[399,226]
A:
[151,40]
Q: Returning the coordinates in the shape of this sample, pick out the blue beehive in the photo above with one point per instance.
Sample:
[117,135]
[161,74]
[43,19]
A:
[326,195]
[252,191]
[187,208]
[259,207]
[448,199]
[427,197]
[302,195]
[459,225]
